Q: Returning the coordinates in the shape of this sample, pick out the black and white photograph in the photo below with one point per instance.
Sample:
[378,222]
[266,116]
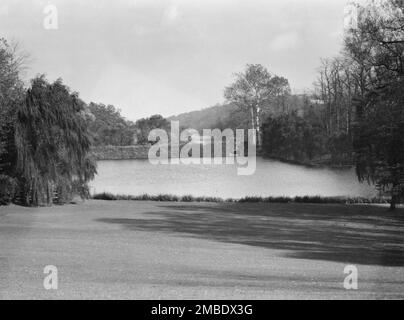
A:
[201,150]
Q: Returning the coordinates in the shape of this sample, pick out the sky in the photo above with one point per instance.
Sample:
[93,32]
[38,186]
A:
[171,56]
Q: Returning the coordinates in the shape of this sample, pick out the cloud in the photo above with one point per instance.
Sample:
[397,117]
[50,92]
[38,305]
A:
[284,42]
[3,10]
[184,50]
[141,94]
[171,14]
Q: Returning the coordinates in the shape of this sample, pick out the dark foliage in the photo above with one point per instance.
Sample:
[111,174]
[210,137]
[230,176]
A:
[109,127]
[53,144]
[145,125]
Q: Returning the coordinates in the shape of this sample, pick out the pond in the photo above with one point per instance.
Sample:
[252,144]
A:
[271,178]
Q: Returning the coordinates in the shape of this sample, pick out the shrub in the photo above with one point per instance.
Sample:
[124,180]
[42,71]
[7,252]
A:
[104,196]
[8,189]
[187,198]
[248,199]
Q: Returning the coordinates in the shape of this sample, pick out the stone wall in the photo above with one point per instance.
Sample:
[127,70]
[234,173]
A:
[120,152]
[136,152]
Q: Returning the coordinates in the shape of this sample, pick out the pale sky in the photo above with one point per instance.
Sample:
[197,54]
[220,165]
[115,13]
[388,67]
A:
[172,56]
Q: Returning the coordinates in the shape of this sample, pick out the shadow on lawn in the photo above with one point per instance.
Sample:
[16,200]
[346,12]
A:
[349,234]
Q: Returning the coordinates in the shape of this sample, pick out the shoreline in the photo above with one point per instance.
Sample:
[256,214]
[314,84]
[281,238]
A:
[140,152]
[310,164]
[249,199]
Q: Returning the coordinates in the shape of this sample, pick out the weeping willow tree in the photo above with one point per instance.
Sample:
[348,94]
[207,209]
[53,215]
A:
[53,144]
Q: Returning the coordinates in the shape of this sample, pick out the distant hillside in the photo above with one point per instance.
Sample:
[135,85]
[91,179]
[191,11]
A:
[229,116]
[219,116]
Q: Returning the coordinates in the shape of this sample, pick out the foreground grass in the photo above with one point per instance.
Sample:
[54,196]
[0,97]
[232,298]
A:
[167,250]
[189,198]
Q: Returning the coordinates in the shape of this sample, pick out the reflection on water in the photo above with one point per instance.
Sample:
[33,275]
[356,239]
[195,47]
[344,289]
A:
[271,178]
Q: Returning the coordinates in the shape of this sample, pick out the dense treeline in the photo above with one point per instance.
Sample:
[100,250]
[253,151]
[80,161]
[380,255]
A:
[109,127]
[355,113]
[11,95]
[291,137]
[363,94]
[376,48]
[145,125]
[303,136]
[359,104]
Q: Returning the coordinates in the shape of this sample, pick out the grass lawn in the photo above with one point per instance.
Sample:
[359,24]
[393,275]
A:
[142,249]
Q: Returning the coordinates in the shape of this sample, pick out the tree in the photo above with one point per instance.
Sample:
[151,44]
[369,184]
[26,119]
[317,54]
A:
[53,144]
[256,90]
[336,87]
[145,125]
[292,137]
[11,94]
[377,45]
[109,127]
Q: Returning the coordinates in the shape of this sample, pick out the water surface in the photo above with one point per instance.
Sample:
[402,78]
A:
[271,178]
